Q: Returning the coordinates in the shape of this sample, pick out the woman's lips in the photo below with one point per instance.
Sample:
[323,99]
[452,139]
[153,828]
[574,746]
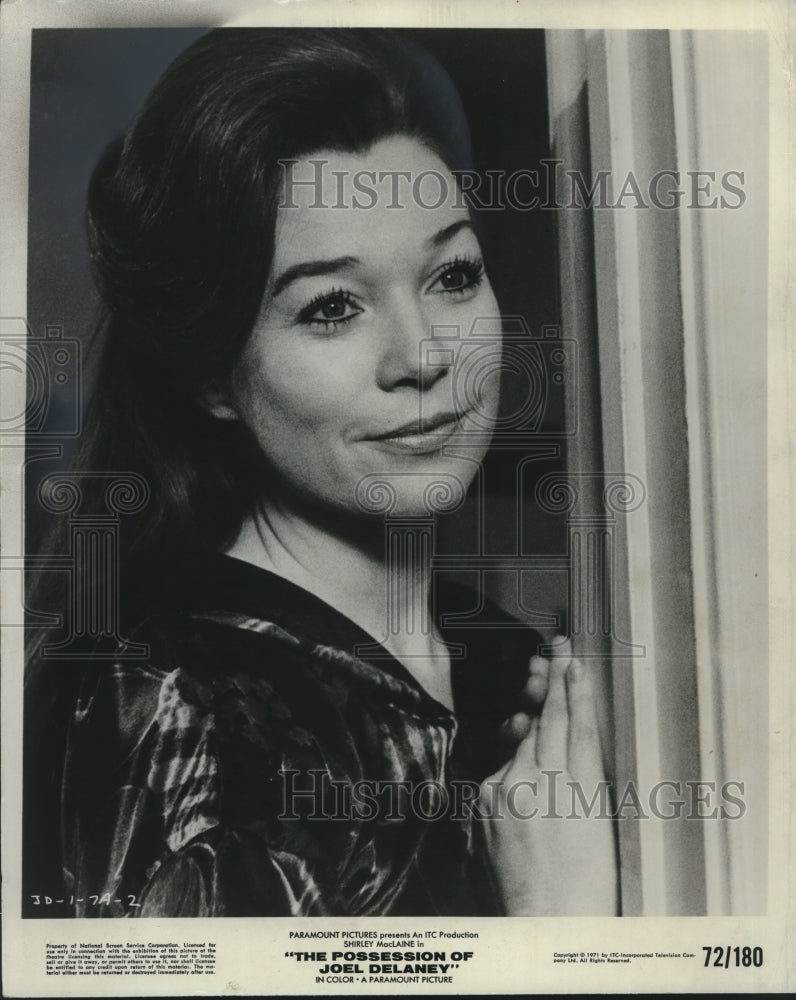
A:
[420,437]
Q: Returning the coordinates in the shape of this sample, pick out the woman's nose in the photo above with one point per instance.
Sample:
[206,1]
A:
[403,362]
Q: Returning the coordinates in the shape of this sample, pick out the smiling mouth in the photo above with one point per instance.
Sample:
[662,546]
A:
[421,436]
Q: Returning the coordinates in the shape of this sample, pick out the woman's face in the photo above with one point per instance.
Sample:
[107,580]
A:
[339,382]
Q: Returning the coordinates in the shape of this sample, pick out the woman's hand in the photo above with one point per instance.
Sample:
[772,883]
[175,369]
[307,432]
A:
[552,856]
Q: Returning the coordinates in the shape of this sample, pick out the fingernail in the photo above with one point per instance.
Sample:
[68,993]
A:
[576,672]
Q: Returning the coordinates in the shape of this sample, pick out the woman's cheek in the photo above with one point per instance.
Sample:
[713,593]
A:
[480,360]
[290,400]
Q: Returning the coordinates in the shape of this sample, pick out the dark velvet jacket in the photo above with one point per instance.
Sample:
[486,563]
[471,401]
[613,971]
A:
[267,758]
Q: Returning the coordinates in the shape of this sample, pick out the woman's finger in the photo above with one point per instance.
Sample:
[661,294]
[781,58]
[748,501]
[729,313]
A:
[583,750]
[515,729]
[526,755]
[535,690]
[551,750]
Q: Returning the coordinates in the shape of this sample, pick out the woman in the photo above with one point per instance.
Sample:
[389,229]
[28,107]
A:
[276,239]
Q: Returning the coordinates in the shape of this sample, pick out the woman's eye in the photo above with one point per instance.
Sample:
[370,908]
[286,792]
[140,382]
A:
[331,309]
[458,276]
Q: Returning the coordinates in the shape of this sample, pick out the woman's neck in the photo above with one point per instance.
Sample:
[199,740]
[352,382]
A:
[354,578]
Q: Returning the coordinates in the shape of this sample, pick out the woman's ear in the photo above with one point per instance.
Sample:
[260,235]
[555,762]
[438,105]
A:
[217,403]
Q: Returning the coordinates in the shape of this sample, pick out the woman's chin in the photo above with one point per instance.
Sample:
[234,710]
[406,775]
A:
[417,485]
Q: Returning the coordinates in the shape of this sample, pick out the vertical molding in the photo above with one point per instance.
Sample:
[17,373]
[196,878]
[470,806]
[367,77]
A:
[569,141]
[639,404]
[720,82]
[703,551]
[675,299]
[625,449]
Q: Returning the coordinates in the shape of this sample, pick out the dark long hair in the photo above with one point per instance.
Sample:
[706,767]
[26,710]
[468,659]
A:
[181,222]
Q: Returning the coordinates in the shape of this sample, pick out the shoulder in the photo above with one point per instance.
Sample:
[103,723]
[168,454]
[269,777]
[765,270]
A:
[177,675]
[199,718]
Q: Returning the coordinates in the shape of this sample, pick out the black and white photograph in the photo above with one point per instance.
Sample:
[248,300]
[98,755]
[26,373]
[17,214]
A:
[396,499]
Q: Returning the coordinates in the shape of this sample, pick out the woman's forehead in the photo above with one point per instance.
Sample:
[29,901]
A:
[397,193]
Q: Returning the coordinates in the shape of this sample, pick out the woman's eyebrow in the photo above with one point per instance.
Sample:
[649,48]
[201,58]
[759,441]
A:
[448,233]
[310,269]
